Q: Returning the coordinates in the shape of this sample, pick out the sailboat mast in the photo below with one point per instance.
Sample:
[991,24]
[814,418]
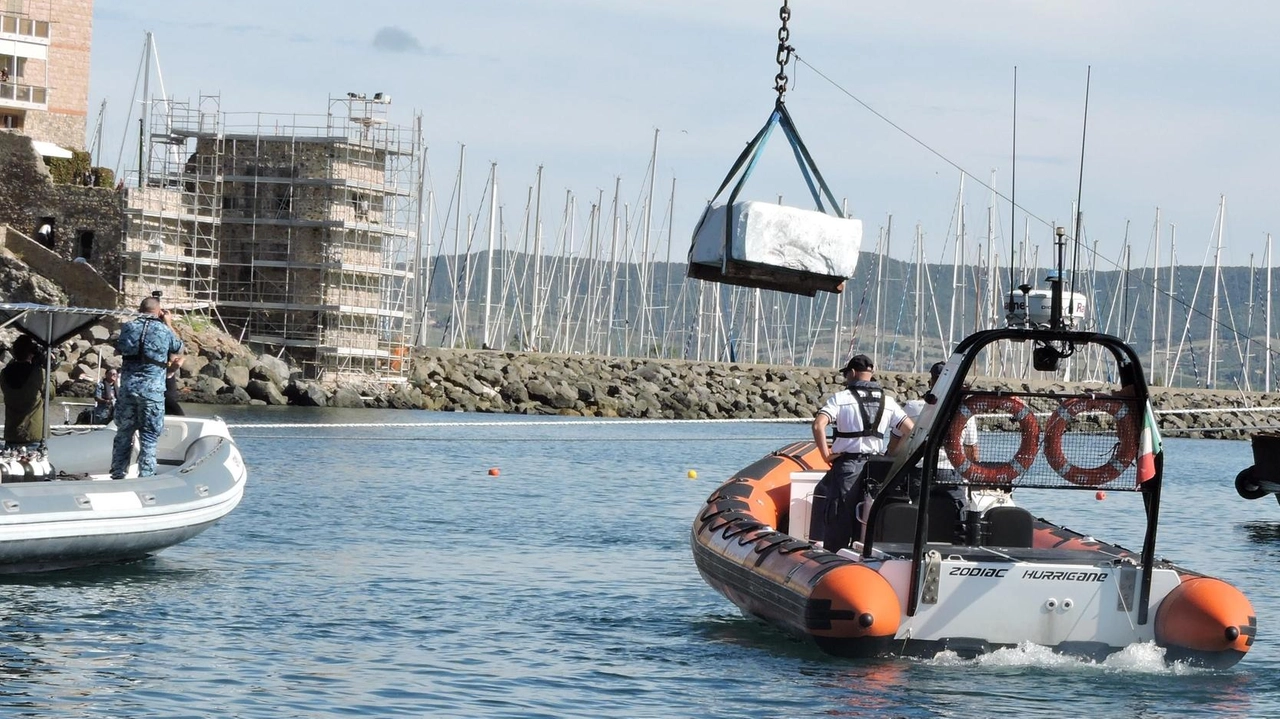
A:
[613,271]
[1155,291]
[456,313]
[1266,382]
[1168,315]
[1212,374]
[644,254]
[917,355]
[535,308]
[487,342]
[955,267]
[884,253]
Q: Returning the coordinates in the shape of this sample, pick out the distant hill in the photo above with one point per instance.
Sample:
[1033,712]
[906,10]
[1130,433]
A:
[573,301]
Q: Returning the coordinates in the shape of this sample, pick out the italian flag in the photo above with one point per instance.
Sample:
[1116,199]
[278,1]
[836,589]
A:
[1148,445]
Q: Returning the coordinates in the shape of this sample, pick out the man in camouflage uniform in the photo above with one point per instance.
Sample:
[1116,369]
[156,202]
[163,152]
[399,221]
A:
[146,345]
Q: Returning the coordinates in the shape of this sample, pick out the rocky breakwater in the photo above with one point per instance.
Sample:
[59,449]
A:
[580,385]
[585,385]
[218,370]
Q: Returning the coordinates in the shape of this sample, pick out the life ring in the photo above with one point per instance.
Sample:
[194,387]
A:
[1122,455]
[988,473]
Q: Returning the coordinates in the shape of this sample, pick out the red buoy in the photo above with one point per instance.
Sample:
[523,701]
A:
[493,472]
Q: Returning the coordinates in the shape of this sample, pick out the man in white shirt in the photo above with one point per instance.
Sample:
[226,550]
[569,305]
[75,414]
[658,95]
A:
[868,423]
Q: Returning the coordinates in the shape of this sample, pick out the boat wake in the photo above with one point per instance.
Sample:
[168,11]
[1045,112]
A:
[1140,658]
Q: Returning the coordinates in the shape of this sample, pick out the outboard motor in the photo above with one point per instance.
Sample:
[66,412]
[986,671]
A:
[1263,477]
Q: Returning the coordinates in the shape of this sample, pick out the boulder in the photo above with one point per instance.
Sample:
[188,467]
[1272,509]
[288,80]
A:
[266,391]
[275,369]
[237,375]
[306,393]
[346,397]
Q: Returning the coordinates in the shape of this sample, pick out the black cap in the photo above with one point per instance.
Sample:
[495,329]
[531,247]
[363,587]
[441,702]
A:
[936,369]
[858,363]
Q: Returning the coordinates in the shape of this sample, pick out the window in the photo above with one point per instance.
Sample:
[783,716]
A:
[360,202]
[85,242]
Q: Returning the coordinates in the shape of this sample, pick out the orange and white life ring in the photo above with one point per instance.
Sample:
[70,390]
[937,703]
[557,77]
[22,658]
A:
[988,473]
[1122,455]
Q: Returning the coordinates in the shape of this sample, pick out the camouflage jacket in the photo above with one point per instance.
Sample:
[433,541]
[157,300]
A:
[145,344]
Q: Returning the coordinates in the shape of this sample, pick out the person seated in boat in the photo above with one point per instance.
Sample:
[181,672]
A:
[171,406]
[23,384]
[104,396]
[967,497]
[868,423]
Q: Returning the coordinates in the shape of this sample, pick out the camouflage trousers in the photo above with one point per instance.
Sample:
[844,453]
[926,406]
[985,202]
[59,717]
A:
[144,416]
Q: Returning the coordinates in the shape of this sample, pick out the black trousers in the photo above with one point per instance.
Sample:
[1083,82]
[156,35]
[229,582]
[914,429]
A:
[835,502]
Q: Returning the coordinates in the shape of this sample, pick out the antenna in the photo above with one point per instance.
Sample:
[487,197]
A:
[1013,182]
[1075,258]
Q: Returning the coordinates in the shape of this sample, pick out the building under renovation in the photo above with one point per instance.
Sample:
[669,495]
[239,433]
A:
[297,231]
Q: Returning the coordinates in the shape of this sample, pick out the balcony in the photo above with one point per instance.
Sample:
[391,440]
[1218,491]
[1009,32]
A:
[25,97]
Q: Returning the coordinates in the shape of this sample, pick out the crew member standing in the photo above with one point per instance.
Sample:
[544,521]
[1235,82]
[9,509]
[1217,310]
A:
[146,344]
[23,384]
[868,422]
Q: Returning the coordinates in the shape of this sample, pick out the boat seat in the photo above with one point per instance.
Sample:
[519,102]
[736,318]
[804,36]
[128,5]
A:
[896,523]
[944,518]
[1009,527]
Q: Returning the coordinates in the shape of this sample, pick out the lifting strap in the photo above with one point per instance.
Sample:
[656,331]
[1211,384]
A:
[746,164]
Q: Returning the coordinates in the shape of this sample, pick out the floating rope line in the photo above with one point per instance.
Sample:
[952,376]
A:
[515,423]
[295,438]
[600,422]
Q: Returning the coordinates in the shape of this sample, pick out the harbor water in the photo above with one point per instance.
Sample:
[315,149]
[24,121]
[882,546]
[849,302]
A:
[376,570]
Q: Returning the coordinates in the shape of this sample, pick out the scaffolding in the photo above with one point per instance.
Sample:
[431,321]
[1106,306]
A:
[315,231]
[172,217]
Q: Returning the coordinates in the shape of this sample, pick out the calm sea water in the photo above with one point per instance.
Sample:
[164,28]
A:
[379,571]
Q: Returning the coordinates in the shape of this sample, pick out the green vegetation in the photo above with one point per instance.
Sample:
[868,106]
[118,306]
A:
[75,169]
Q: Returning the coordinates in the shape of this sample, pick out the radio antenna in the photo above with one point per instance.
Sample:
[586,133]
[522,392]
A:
[1013,189]
[1075,235]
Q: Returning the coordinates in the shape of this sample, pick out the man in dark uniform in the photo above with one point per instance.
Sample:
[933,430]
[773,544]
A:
[146,344]
[867,423]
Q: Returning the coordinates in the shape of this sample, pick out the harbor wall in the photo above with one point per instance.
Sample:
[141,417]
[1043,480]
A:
[223,372]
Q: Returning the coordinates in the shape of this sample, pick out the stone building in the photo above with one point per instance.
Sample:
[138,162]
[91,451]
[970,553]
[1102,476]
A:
[298,230]
[85,222]
[44,71]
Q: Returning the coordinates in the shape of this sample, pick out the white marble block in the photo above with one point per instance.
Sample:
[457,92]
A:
[781,236]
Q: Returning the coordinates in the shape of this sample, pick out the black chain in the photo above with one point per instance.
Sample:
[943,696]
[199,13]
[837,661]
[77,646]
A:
[784,52]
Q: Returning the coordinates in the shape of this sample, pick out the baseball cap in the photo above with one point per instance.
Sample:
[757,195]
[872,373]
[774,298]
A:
[858,363]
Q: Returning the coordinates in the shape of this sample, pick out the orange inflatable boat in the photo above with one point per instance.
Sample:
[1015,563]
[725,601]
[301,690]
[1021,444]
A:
[932,573]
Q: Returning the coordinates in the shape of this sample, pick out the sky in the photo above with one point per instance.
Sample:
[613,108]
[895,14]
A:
[1181,104]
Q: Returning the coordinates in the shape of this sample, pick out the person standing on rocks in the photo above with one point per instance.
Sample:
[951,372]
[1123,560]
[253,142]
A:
[23,384]
[146,345]
[868,423]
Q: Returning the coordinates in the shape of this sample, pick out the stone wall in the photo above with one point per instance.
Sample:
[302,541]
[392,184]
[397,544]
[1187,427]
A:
[28,195]
[81,282]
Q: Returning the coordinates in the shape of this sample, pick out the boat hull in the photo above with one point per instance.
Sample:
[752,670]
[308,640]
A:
[90,519]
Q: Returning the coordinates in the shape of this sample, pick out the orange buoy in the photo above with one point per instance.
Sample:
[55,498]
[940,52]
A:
[1101,495]
[493,472]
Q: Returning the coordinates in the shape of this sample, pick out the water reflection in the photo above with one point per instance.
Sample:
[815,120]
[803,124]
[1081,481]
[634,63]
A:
[1262,532]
